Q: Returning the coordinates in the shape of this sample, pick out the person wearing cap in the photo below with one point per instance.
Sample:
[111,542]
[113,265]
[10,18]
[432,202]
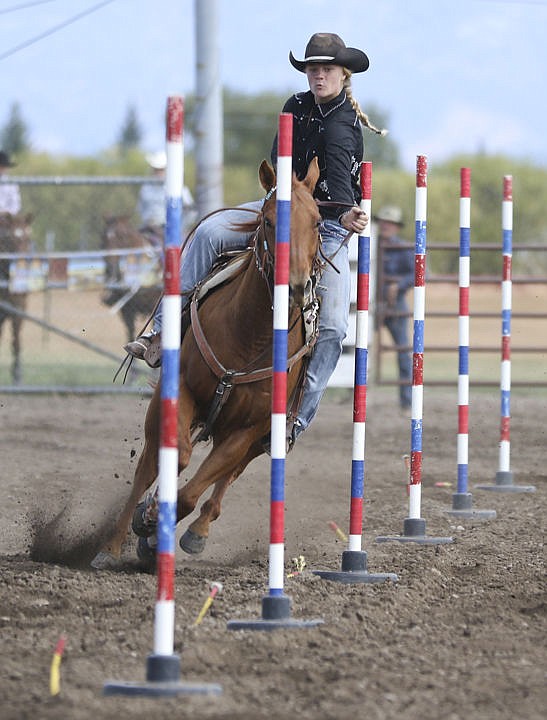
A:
[10,197]
[327,123]
[397,277]
[151,202]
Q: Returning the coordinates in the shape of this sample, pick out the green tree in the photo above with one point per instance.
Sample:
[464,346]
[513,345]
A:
[487,172]
[130,133]
[14,135]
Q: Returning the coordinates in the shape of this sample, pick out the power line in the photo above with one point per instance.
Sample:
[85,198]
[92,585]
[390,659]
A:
[23,6]
[53,29]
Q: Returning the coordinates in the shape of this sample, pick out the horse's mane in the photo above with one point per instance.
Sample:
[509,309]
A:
[250,226]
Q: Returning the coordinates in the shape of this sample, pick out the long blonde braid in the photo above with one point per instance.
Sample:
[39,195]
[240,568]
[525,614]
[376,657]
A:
[363,117]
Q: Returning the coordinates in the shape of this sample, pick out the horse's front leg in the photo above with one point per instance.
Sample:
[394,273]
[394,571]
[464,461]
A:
[146,472]
[222,466]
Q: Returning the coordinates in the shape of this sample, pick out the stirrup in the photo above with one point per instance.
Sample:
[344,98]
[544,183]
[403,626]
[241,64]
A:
[293,431]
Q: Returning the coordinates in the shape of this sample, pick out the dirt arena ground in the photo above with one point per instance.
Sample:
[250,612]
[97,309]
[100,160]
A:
[461,635]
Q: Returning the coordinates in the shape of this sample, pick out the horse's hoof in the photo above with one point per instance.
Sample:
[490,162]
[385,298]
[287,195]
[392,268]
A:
[192,543]
[146,554]
[105,561]
[139,525]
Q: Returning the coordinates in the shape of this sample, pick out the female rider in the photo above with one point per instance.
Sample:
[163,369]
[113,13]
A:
[327,125]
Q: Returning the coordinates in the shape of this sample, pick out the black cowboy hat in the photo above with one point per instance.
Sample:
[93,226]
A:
[329,49]
[5,160]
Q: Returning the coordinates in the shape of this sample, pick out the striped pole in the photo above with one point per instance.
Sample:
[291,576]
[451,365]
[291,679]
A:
[504,467]
[504,476]
[170,338]
[276,612]
[414,525]
[463,330]
[279,377]
[415,488]
[354,559]
[163,665]
[361,368]
[462,499]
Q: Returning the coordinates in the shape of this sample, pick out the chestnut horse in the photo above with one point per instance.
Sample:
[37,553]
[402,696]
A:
[234,324]
[15,234]
[120,234]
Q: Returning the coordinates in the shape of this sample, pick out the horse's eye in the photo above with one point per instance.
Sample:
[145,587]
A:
[268,223]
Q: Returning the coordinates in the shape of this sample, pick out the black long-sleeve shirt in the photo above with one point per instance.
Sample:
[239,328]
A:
[332,133]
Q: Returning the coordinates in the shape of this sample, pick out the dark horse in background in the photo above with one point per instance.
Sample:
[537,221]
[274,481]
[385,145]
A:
[15,237]
[134,302]
[230,335]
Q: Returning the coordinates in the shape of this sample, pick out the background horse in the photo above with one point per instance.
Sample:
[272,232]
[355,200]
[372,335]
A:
[15,234]
[234,324]
[119,234]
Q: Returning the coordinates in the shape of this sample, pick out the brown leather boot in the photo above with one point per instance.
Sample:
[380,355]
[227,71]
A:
[146,347]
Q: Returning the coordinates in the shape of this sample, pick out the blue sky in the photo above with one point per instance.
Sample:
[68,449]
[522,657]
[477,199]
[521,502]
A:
[453,76]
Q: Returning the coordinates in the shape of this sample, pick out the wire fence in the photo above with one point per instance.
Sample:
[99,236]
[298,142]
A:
[71,337]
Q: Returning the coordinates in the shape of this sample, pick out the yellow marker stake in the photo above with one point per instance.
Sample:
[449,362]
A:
[55,670]
[339,534]
[216,587]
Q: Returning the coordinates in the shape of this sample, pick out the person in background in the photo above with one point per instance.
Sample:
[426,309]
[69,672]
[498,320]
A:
[397,278]
[151,203]
[327,125]
[10,197]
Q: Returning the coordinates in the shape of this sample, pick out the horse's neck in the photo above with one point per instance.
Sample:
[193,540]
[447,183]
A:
[254,295]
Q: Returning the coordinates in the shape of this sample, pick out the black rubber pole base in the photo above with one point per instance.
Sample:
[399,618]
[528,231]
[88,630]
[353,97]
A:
[462,507]
[162,679]
[354,570]
[504,483]
[276,614]
[414,531]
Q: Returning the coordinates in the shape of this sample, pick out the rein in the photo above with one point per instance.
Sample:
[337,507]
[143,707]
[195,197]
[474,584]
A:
[345,241]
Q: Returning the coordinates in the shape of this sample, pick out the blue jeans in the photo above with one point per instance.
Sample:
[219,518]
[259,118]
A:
[398,328]
[214,237]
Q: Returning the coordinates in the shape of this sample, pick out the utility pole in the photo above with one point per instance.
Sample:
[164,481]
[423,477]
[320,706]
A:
[209,124]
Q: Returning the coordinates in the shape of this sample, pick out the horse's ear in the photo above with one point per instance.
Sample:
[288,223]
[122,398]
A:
[267,175]
[312,175]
